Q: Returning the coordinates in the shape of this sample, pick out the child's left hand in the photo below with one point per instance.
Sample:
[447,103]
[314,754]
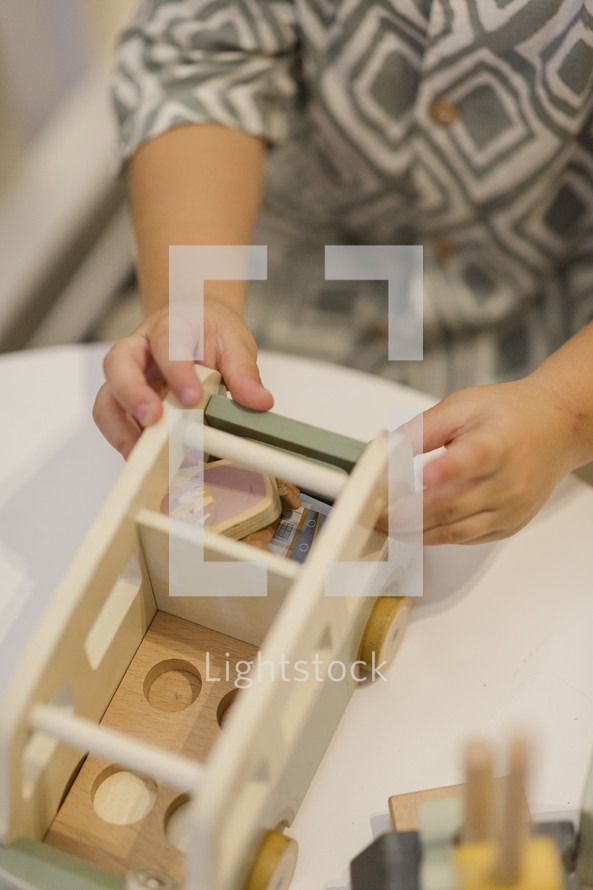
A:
[506,450]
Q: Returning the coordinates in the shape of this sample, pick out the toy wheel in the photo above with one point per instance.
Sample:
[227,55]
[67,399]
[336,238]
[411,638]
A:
[275,863]
[385,630]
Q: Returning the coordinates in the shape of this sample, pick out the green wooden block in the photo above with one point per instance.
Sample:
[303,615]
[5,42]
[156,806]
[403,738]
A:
[439,824]
[45,868]
[437,870]
[284,433]
[440,820]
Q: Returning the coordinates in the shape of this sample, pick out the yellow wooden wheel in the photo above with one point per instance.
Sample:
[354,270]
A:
[385,630]
[275,863]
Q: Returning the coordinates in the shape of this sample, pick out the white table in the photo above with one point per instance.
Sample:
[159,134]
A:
[500,640]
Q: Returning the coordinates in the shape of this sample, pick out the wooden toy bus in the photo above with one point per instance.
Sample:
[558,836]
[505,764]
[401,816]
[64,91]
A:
[128,756]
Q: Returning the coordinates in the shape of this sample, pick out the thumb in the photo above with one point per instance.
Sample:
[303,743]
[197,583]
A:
[441,424]
[240,373]
[452,425]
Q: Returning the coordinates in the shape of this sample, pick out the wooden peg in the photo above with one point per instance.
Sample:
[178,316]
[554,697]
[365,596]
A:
[480,809]
[513,828]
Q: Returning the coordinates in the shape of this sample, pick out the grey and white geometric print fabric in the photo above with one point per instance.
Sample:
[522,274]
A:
[464,126]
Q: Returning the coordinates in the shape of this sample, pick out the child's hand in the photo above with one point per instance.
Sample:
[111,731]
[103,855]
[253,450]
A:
[507,449]
[506,452]
[139,373]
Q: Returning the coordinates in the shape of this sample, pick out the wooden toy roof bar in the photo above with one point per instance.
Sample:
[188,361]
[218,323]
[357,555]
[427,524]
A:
[88,682]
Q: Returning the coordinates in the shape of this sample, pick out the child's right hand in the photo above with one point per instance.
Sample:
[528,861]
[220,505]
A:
[139,373]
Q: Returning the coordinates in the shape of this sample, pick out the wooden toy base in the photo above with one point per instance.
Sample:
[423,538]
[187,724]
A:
[175,693]
[404,808]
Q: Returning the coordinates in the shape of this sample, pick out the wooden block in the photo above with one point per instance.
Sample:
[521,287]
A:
[174,694]
[439,823]
[243,500]
[284,433]
[223,497]
[262,538]
[290,497]
[540,866]
[392,860]
[403,808]
[439,820]
[437,871]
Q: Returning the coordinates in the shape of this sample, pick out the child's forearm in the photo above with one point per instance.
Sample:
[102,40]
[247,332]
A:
[195,184]
[568,375]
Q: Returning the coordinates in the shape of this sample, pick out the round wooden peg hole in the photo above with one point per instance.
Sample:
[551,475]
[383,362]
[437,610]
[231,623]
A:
[172,685]
[224,707]
[121,797]
[177,823]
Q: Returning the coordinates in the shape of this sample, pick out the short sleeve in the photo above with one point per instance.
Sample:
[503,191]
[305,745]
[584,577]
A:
[233,62]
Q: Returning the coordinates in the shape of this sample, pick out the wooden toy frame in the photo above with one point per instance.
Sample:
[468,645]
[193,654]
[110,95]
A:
[275,737]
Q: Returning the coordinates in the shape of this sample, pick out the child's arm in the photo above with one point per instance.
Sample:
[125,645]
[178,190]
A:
[195,184]
[508,446]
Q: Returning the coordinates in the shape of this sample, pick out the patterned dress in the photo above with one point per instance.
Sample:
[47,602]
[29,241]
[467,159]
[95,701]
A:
[462,125]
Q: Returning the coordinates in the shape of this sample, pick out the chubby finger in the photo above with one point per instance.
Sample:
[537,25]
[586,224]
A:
[247,389]
[471,456]
[442,423]
[179,375]
[409,516]
[479,528]
[410,531]
[491,537]
[120,430]
[240,372]
[451,502]
[125,367]
[402,519]
[412,430]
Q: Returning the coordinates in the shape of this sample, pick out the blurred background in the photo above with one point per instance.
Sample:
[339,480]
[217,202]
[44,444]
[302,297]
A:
[66,256]
[66,247]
